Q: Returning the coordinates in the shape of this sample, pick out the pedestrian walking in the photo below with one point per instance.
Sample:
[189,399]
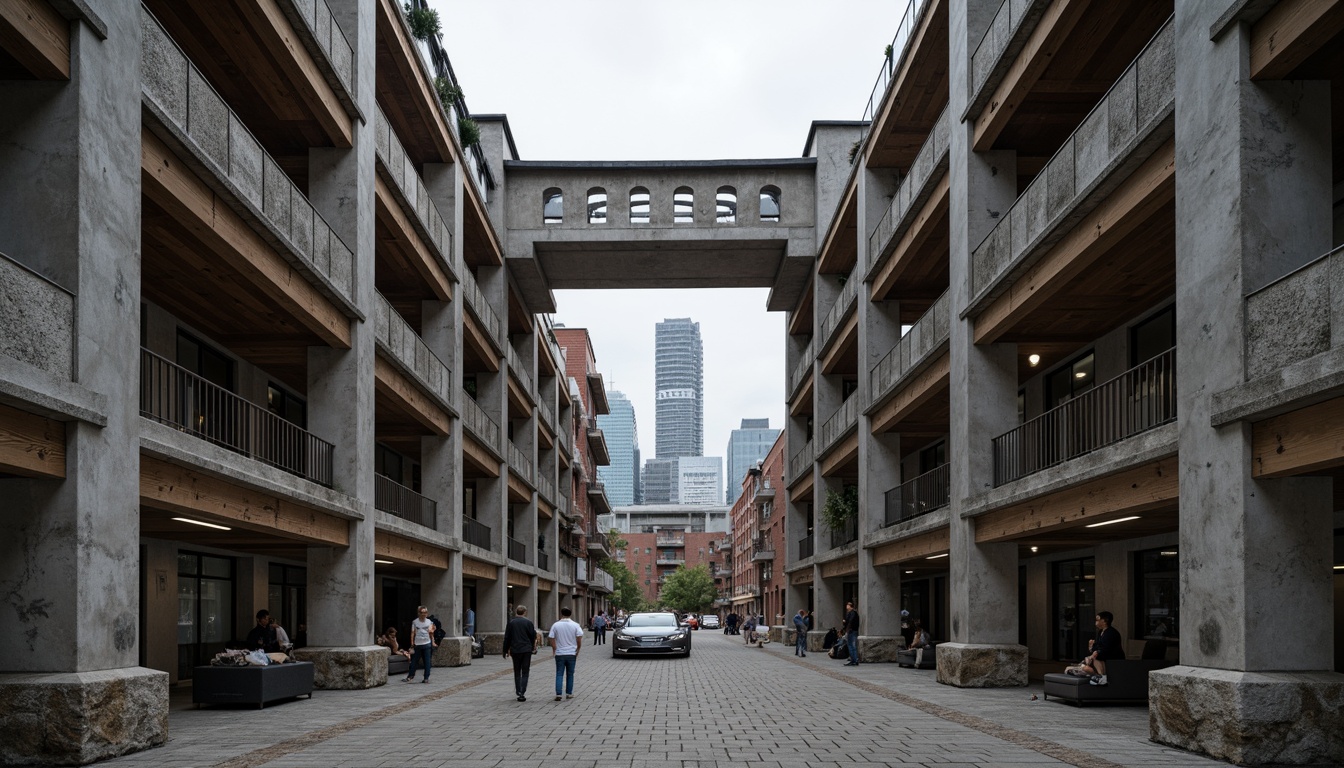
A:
[566,639]
[469,623]
[800,633]
[600,628]
[852,634]
[520,642]
[422,643]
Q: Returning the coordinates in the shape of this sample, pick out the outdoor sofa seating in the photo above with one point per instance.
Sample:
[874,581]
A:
[397,666]
[906,658]
[1127,680]
[251,684]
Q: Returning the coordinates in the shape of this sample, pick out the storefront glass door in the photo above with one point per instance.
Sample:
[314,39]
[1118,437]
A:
[205,609]
[1074,608]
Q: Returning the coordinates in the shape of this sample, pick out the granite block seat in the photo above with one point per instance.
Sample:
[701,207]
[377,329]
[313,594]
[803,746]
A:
[251,684]
[906,658]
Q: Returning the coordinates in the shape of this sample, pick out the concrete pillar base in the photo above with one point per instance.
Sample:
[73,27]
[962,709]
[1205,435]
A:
[346,669]
[877,649]
[777,634]
[81,717]
[494,642]
[815,640]
[981,665]
[453,652]
[1248,718]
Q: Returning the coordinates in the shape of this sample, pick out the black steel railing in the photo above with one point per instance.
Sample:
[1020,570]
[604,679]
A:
[517,550]
[396,499]
[172,395]
[543,560]
[1140,399]
[475,532]
[849,532]
[921,495]
[806,547]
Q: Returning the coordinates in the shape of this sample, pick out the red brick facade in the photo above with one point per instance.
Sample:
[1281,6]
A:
[758,539]
[651,556]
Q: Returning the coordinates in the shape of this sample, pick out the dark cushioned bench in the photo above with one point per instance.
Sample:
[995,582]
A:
[906,658]
[251,685]
[397,666]
[1127,683]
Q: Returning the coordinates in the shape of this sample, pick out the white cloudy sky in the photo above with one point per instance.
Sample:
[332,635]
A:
[689,80]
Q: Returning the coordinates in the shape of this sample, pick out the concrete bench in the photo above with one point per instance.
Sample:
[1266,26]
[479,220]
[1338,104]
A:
[251,685]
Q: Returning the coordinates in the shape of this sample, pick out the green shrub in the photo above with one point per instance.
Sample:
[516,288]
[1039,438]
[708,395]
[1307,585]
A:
[468,131]
[424,22]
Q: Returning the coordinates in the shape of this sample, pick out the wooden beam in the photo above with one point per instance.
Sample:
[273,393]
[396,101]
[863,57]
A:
[544,509]
[479,457]
[519,579]
[845,566]
[174,488]
[1045,42]
[1135,201]
[912,242]
[545,585]
[833,235]
[391,215]
[392,383]
[916,393]
[804,576]
[1290,33]
[31,445]
[402,550]
[1309,439]
[478,341]
[475,207]
[801,490]
[168,182]
[1152,486]
[843,342]
[37,37]
[425,98]
[518,489]
[518,397]
[914,548]
[309,85]
[478,570]
[803,402]
[913,46]
[844,452]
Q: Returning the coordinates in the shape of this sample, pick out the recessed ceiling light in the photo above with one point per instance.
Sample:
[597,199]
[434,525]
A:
[198,522]
[1337,566]
[383,562]
[1035,549]
[1034,360]
[935,557]
[1168,553]
[1080,375]
[1112,522]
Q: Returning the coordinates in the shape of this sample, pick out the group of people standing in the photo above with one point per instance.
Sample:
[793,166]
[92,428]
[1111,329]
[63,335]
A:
[520,643]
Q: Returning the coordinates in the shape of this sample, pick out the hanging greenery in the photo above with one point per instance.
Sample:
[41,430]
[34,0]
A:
[888,51]
[448,92]
[468,131]
[840,507]
[853,151]
[424,22]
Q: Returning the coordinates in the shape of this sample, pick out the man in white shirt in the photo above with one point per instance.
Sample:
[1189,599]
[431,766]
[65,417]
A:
[422,643]
[566,638]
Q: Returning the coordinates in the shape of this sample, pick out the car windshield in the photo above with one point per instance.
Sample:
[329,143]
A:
[652,620]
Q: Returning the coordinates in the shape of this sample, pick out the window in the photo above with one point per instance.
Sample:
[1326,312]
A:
[552,206]
[205,609]
[766,508]
[1070,381]
[766,571]
[1157,592]
[683,205]
[769,203]
[1074,607]
[204,361]
[1152,337]
[285,405]
[639,206]
[933,457]
[725,205]
[287,597]
[597,206]
[388,463]
[1021,406]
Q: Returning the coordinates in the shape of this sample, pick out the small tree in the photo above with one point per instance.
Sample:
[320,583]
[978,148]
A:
[468,131]
[840,507]
[627,596]
[689,590]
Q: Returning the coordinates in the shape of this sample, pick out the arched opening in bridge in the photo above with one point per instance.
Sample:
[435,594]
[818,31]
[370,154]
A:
[769,203]
[597,206]
[683,206]
[725,205]
[552,206]
[639,205]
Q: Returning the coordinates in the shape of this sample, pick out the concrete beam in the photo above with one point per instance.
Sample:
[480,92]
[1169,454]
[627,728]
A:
[845,566]
[927,384]
[914,548]
[31,445]
[37,37]
[1309,439]
[394,385]
[844,452]
[1291,32]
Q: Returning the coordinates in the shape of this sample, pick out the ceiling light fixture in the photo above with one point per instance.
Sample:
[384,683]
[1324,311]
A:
[1035,549]
[1113,522]
[1337,566]
[1034,360]
[1080,375]
[383,562]
[935,557]
[1168,553]
[198,522]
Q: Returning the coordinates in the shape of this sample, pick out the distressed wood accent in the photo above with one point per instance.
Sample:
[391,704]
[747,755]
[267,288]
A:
[518,490]
[801,490]
[913,548]
[174,488]
[168,182]
[843,453]
[916,393]
[275,33]
[845,566]
[901,260]
[1290,33]
[844,342]
[481,231]
[519,579]
[803,402]
[1150,187]
[518,397]
[1051,34]
[1306,440]
[391,383]
[409,244]
[401,550]
[545,585]
[479,456]
[1152,486]
[544,509]
[31,445]
[804,576]
[37,37]
[830,259]
[476,340]
[478,570]
[422,100]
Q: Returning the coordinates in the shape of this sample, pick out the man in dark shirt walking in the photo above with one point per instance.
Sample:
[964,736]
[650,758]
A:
[852,634]
[520,639]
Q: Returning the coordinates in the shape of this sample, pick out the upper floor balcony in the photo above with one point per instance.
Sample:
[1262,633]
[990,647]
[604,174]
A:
[412,359]
[911,87]
[41,330]
[519,464]
[602,581]
[479,424]
[800,463]
[597,447]
[425,238]
[801,371]
[919,495]
[675,560]
[517,551]
[396,499]
[1140,399]
[806,547]
[840,423]
[846,534]
[841,310]
[597,498]
[677,539]
[520,371]
[483,312]
[476,533]
[762,550]
[907,249]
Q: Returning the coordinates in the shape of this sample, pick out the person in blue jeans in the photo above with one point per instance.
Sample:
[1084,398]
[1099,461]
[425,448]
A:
[852,634]
[566,638]
[422,643]
[800,633]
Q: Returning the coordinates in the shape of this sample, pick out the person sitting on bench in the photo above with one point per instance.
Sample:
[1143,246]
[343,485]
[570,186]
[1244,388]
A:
[1107,647]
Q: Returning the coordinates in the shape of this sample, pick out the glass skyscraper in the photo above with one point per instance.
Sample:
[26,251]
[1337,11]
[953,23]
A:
[679,389]
[621,477]
[746,446]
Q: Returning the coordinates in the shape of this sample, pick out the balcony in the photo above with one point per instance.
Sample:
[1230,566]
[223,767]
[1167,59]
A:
[847,534]
[1140,399]
[597,445]
[412,197]
[1295,318]
[765,493]
[844,304]
[597,542]
[602,581]
[597,498]
[546,488]
[915,189]
[481,309]
[762,551]
[670,540]
[806,547]
[476,533]
[801,463]
[581,570]
[678,561]
[919,496]
[398,500]
[40,330]
[409,354]
[479,423]
[547,414]
[801,370]
[520,372]
[840,423]
[172,395]
[746,589]
[900,42]
[517,551]
[543,560]
[519,464]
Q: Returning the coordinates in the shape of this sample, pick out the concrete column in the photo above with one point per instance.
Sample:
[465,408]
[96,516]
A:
[1253,202]
[69,562]
[492,602]
[983,577]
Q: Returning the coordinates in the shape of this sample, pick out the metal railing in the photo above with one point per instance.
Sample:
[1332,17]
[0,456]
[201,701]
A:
[928,334]
[762,550]
[476,533]
[517,550]
[806,547]
[602,580]
[478,422]
[520,465]
[847,533]
[844,418]
[801,461]
[920,495]
[671,561]
[905,32]
[172,395]
[1140,399]
[543,560]
[396,499]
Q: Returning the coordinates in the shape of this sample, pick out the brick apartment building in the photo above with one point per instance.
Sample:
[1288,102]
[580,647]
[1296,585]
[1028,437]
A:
[758,533]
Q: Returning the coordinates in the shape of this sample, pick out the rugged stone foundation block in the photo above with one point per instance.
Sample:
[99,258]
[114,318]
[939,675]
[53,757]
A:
[879,648]
[814,640]
[81,717]
[975,665]
[346,669]
[776,634]
[454,652]
[1248,718]
[494,642]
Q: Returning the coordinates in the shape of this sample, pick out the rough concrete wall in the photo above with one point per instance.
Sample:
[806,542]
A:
[39,318]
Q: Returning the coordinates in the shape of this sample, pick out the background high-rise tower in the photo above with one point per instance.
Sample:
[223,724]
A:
[621,477]
[746,446]
[679,388]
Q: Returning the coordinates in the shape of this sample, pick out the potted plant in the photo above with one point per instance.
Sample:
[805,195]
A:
[448,92]
[840,507]
[424,22]
[468,131]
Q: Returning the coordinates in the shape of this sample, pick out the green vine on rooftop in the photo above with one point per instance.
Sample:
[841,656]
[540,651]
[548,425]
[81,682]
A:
[449,92]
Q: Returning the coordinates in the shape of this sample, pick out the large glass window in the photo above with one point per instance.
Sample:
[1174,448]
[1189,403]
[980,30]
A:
[1157,592]
[1071,380]
[287,600]
[1075,593]
[204,361]
[205,609]
[1152,337]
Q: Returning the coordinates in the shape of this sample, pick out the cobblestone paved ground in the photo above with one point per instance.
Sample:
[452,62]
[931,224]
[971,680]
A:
[726,705]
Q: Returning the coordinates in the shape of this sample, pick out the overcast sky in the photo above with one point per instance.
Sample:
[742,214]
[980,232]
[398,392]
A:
[690,80]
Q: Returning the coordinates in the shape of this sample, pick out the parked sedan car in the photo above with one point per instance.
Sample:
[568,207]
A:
[709,621]
[651,634]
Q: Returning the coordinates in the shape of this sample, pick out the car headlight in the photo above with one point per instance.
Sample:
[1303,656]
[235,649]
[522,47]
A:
[678,636]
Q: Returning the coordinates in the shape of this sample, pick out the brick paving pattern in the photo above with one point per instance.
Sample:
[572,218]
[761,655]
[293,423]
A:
[726,705]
